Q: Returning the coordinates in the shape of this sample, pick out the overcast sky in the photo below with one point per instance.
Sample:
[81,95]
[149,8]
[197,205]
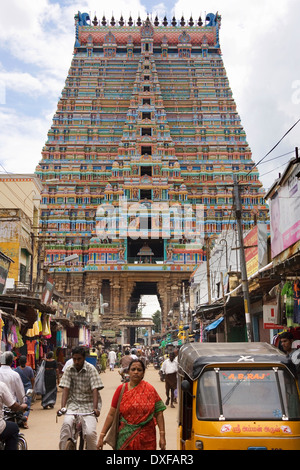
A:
[260,42]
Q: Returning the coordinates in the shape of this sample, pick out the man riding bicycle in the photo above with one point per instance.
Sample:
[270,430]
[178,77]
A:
[81,384]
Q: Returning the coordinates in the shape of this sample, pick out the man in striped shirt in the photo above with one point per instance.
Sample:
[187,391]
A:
[81,386]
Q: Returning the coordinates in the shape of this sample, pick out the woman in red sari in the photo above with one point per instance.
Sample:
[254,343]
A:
[141,409]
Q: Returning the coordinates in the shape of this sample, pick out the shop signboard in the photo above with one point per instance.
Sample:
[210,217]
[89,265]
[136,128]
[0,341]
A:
[285,210]
[4,268]
[255,244]
[270,317]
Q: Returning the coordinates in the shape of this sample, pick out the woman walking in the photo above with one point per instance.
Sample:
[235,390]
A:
[141,408]
[50,378]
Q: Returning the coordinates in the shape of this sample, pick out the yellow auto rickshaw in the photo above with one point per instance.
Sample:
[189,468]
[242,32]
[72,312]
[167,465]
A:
[237,396]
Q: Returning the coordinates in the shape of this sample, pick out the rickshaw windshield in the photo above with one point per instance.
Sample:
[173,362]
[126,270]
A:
[237,394]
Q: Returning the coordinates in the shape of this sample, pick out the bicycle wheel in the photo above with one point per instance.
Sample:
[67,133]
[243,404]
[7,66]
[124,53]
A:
[82,443]
[70,445]
[22,443]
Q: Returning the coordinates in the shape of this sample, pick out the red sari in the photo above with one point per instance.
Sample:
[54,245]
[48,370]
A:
[137,422]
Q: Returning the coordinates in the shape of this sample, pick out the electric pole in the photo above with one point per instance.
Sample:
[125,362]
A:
[207,246]
[238,214]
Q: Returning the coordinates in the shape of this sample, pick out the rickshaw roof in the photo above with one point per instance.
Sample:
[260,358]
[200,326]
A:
[193,357]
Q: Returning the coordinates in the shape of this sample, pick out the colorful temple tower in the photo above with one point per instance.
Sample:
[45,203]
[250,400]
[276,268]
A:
[139,162]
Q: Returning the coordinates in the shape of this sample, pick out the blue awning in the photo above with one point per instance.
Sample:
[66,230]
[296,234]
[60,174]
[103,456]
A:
[214,325]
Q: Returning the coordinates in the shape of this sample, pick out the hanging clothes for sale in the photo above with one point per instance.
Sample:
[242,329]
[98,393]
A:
[81,336]
[20,342]
[39,321]
[58,339]
[296,289]
[34,331]
[64,339]
[46,330]
[31,343]
[288,293]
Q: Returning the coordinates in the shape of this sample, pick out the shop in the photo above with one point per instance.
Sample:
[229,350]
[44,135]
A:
[29,327]
[25,326]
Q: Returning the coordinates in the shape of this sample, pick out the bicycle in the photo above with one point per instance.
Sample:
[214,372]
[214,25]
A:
[77,440]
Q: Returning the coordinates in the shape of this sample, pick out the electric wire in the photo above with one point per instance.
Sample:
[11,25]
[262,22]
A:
[273,148]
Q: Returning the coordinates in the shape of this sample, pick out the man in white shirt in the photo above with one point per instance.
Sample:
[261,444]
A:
[8,430]
[69,362]
[112,357]
[133,354]
[169,368]
[11,378]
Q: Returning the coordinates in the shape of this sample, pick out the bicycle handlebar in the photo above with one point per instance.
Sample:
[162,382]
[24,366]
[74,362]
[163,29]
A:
[64,411]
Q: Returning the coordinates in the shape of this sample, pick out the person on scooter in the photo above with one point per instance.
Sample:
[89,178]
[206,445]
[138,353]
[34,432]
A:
[125,361]
[11,378]
[8,430]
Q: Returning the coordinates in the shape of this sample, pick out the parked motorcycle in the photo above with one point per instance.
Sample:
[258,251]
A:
[13,416]
[157,362]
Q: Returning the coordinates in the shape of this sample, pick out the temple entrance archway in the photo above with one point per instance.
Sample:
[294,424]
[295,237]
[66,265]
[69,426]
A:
[122,291]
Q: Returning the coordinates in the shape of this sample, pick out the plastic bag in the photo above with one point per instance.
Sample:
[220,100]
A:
[39,383]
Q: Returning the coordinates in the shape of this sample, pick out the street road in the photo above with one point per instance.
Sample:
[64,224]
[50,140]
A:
[43,432]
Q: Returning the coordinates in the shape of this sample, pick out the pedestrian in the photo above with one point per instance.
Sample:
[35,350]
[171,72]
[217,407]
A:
[286,342]
[27,376]
[67,363]
[81,385]
[133,354]
[141,408]
[9,430]
[119,357]
[51,379]
[112,357]
[169,368]
[124,363]
[103,361]
[11,378]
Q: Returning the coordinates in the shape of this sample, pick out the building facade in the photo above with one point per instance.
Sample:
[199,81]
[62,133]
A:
[20,196]
[139,162]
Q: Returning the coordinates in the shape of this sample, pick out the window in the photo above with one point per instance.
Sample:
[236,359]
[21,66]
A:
[247,394]
[146,131]
[146,115]
[146,170]
[146,150]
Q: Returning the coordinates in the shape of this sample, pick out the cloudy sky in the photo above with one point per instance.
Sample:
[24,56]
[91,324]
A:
[260,42]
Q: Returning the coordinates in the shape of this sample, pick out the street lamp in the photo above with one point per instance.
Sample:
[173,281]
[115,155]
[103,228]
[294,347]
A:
[70,258]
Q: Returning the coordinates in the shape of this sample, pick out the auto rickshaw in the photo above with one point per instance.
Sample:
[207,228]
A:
[237,396]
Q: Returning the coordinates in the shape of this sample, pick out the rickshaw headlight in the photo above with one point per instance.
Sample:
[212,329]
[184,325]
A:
[199,445]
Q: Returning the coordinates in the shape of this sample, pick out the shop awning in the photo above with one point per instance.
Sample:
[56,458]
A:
[214,325]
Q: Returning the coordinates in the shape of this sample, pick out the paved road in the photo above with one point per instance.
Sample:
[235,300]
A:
[43,432]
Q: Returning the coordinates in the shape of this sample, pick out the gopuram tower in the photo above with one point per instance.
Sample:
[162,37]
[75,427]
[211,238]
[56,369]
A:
[139,162]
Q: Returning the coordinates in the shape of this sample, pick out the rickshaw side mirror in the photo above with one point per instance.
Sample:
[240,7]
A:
[185,386]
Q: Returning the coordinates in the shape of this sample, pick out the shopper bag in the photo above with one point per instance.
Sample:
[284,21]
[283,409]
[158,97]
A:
[39,383]
[112,435]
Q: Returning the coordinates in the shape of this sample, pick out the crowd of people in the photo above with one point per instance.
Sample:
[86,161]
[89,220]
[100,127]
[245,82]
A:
[136,406]
[141,408]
